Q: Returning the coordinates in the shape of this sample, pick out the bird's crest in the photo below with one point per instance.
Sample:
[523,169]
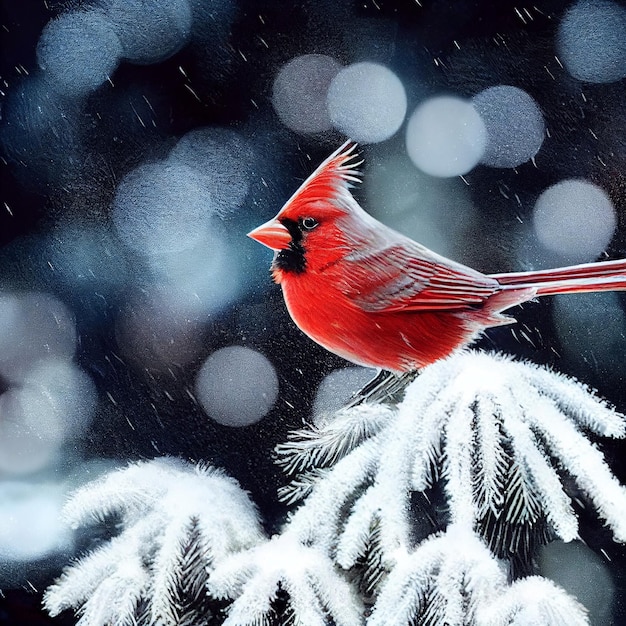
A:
[332,179]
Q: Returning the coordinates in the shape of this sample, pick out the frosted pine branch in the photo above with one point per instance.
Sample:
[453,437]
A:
[324,445]
[488,439]
[176,521]
[533,600]
[107,585]
[452,578]
[315,589]
[481,425]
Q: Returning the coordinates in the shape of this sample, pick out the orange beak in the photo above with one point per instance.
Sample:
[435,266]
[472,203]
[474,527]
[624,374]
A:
[272,234]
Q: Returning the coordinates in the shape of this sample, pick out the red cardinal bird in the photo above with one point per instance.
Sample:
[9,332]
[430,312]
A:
[378,298]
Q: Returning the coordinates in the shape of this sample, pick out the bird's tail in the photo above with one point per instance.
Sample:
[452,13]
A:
[602,276]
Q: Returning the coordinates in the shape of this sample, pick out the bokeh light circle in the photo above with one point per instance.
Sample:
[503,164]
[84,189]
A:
[591,41]
[32,523]
[161,208]
[236,386]
[514,124]
[149,30]
[446,137]
[223,160]
[300,91]
[78,52]
[338,387]
[37,326]
[575,219]
[54,403]
[367,102]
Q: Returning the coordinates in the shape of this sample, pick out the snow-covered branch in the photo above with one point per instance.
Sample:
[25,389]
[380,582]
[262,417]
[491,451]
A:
[312,587]
[176,521]
[494,432]
[452,578]
[417,511]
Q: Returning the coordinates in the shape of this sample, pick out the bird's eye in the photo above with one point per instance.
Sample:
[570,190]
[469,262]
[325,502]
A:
[308,223]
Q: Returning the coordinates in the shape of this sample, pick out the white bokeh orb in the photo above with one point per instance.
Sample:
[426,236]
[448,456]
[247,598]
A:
[162,208]
[236,386]
[574,219]
[300,90]
[338,388]
[78,51]
[54,404]
[591,41]
[367,102]
[192,283]
[223,158]
[32,525]
[150,30]
[35,326]
[446,137]
[514,124]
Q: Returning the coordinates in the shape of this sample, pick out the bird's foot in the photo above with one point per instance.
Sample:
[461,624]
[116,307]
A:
[386,387]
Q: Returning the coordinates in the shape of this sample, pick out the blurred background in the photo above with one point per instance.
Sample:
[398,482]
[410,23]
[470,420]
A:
[142,139]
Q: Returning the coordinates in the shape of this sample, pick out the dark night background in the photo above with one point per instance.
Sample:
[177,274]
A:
[63,178]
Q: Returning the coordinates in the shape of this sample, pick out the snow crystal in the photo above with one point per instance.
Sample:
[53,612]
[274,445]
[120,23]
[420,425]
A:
[514,124]
[446,137]
[591,41]
[575,219]
[300,91]
[367,102]
[78,52]
[237,386]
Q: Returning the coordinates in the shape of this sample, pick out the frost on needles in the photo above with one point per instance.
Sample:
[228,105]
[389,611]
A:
[425,511]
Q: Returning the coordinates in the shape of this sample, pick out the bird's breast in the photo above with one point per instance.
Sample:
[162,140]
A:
[392,340]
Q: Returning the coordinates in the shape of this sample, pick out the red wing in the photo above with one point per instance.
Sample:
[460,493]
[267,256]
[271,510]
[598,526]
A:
[412,278]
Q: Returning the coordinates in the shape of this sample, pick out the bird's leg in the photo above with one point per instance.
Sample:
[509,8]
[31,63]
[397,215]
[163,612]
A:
[374,383]
[384,387]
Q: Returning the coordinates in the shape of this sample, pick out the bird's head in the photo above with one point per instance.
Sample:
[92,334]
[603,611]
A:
[309,232]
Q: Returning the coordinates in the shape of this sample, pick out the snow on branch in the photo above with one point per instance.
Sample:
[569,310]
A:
[176,520]
[493,432]
[452,578]
[314,588]
[427,509]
